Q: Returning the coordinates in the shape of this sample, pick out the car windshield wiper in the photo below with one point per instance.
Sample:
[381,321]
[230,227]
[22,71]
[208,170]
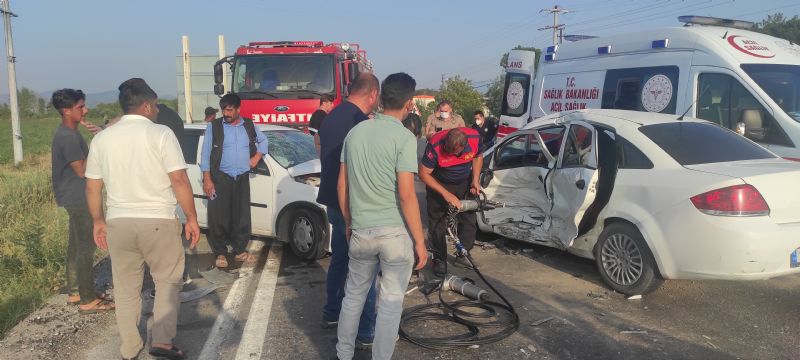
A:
[256,91]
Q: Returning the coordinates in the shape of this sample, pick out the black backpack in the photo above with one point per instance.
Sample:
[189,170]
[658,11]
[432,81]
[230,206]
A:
[218,137]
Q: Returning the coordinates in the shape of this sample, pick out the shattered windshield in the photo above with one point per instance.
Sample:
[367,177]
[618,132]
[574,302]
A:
[781,83]
[283,76]
[290,148]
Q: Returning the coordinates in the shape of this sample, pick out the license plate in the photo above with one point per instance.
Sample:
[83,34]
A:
[794,258]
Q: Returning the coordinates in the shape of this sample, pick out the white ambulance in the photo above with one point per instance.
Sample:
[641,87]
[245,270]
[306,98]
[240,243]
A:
[710,69]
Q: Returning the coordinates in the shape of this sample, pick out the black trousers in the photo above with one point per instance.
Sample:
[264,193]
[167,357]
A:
[437,221]
[229,214]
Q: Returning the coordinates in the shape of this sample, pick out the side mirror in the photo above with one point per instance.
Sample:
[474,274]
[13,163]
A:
[352,71]
[486,177]
[261,168]
[218,72]
[219,89]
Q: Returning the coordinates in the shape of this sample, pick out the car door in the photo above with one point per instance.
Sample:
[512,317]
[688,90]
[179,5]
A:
[261,197]
[573,183]
[519,167]
[191,144]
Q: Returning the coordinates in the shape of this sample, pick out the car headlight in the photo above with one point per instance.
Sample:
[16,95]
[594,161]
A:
[309,179]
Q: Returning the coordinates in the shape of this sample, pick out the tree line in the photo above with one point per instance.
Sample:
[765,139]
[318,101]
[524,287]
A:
[31,105]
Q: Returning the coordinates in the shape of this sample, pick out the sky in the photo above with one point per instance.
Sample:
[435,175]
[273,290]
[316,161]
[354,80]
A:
[96,44]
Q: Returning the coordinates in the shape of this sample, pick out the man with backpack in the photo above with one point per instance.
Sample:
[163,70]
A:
[231,147]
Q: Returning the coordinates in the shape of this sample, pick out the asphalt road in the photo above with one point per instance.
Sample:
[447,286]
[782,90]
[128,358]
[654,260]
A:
[681,320]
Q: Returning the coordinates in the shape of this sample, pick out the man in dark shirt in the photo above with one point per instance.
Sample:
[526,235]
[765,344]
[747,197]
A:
[325,106]
[450,169]
[69,152]
[168,117]
[486,128]
[362,101]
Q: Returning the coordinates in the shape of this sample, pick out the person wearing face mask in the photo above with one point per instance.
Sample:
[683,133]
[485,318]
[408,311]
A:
[442,119]
[487,129]
[237,147]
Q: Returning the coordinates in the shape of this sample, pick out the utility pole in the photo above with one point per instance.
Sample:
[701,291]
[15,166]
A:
[16,132]
[558,29]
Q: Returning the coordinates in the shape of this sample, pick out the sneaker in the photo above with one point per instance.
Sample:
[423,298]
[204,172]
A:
[325,324]
[363,345]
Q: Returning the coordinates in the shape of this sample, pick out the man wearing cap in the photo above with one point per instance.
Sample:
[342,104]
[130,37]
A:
[211,114]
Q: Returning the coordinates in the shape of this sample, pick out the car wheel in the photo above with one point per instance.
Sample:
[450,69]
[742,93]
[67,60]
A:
[306,234]
[625,262]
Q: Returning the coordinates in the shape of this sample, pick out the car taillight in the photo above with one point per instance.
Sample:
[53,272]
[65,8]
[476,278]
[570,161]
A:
[737,200]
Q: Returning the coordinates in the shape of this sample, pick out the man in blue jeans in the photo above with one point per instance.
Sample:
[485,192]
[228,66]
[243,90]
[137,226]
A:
[363,100]
[380,208]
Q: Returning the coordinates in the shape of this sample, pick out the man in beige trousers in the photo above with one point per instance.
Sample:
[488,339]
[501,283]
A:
[142,167]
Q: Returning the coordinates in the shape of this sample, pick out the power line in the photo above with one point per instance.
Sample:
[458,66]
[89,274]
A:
[558,29]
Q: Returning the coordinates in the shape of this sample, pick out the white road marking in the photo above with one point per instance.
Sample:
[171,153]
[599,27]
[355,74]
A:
[226,319]
[251,345]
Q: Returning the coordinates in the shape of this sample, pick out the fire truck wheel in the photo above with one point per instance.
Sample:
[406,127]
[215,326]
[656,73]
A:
[306,234]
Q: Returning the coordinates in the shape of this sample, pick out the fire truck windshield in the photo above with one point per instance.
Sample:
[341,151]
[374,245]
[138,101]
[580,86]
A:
[283,76]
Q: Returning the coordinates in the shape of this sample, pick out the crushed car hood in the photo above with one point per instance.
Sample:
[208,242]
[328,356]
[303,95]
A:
[309,167]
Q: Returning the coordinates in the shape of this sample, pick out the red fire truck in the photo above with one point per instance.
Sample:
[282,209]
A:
[280,82]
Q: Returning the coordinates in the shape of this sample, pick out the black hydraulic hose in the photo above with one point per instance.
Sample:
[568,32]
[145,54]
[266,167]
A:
[456,312]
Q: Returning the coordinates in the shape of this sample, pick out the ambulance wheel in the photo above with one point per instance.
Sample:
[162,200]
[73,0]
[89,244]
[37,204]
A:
[625,262]
[306,234]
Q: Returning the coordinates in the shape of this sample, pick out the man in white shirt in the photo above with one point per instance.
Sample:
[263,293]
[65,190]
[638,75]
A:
[142,167]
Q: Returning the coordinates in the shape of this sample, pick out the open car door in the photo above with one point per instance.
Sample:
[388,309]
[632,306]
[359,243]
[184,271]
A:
[516,177]
[573,182]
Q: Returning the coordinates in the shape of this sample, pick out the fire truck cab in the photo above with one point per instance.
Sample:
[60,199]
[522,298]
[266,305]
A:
[281,82]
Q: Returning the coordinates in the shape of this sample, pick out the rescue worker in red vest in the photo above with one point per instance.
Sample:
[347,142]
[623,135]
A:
[450,169]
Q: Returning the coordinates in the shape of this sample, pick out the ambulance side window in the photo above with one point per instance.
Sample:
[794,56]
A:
[723,100]
[652,89]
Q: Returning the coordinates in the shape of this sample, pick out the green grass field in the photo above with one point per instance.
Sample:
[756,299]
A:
[33,234]
[33,237]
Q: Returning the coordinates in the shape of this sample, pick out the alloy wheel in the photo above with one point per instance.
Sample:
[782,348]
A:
[622,259]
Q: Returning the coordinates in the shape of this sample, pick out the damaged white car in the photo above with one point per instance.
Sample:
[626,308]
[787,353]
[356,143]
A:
[647,196]
[283,189]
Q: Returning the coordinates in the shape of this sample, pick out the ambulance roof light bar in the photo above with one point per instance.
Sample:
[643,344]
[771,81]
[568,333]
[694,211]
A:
[706,20]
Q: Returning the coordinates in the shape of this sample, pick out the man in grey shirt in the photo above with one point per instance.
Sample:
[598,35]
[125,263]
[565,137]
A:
[69,152]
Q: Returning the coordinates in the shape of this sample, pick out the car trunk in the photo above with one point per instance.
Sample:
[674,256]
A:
[777,180]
